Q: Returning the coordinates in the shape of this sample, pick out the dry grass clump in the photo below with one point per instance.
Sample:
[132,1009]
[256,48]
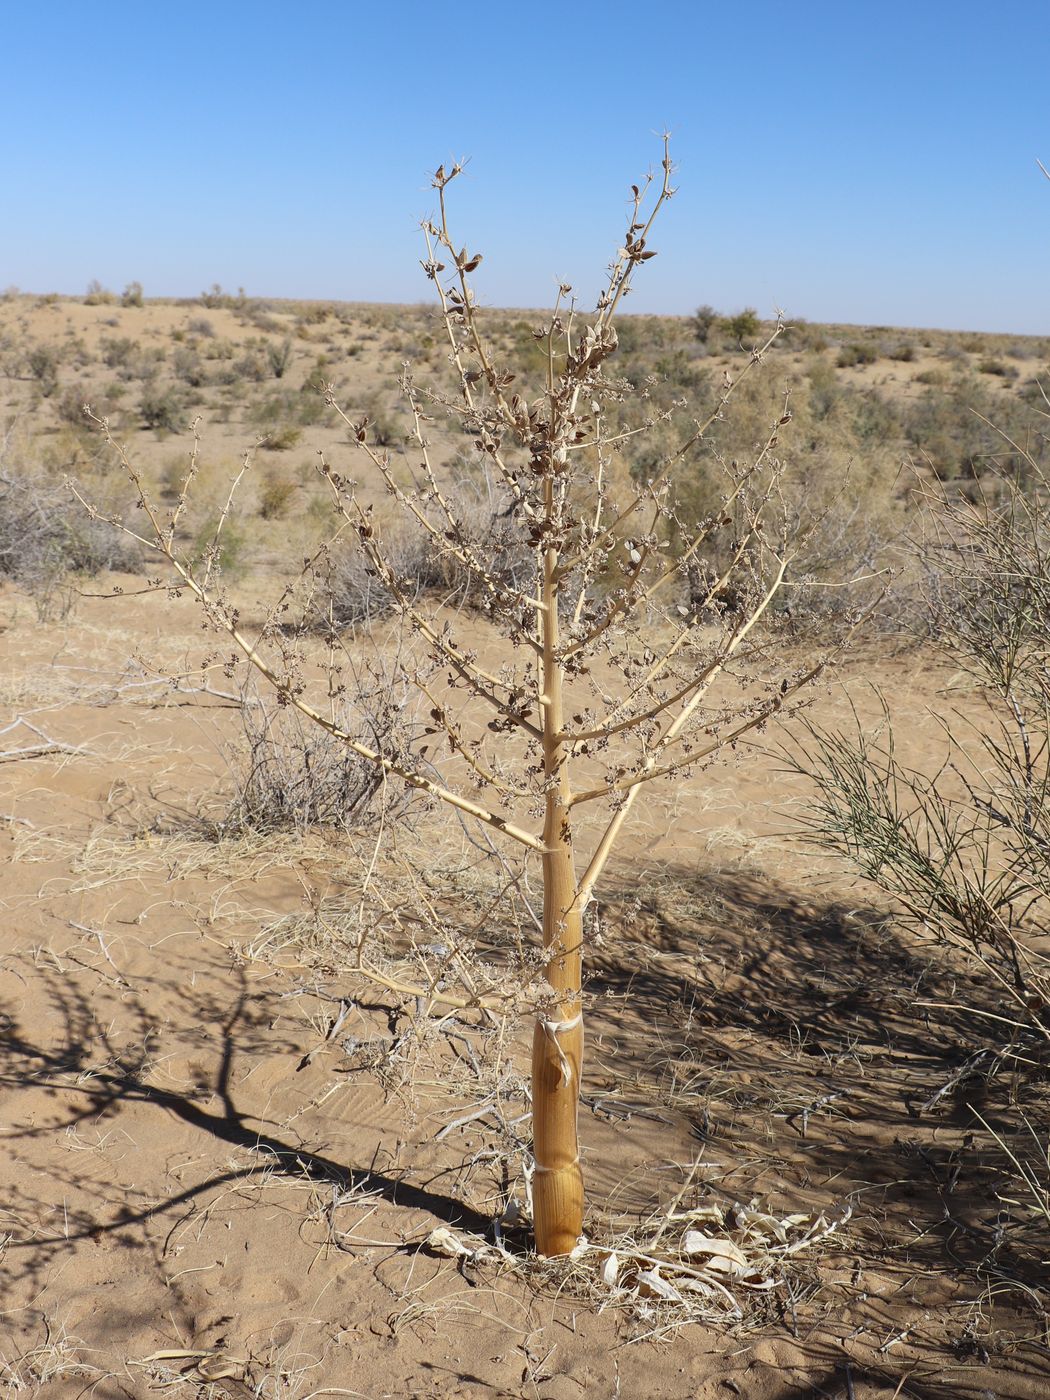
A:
[45,539]
[295,776]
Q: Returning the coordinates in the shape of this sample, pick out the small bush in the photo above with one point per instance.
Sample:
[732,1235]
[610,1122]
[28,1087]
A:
[358,595]
[283,438]
[43,361]
[965,854]
[132,294]
[276,493]
[280,357]
[743,328]
[297,776]
[281,406]
[997,368]
[69,405]
[800,335]
[162,407]
[119,351]
[215,297]
[252,367]
[856,353]
[97,295]
[45,537]
[218,550]
[705,318]
[187,365]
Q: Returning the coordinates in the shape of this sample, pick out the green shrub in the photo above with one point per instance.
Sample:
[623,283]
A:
[132,294]
[303,406]
[743,327]
[222,551]
[280,357]
[282,438]
[276,493]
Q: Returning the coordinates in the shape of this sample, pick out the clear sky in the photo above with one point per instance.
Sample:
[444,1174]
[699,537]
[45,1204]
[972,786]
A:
[867,160]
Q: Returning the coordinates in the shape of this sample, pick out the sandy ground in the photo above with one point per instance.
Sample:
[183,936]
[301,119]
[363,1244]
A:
[224,1156]
[206,1193]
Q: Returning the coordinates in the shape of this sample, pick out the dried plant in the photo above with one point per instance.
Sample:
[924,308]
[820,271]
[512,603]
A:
[632,643]
[44,539]
[298,776]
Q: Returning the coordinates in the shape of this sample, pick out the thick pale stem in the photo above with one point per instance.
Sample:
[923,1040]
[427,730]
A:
[557,1047]
[557,1056]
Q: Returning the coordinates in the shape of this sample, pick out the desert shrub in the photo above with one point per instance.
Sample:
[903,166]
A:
[875,418]
[215,349]
[905,353]
[258,316]
[187,365]
[933,376]
[967,429]
[253,367]
[162,407]
[856,353]
[303,406]
[98,295]
[132,294]
[998,368]
[965,852]
[215,297]
[281,438]
[800,335]
[483,528]
[119,351]
[705,318]
[292,775]
[45,537]
[200,326]
[744,327]
[275,496]
[312,313]
[69,405]
[279,357]
[218,547]
[43,362]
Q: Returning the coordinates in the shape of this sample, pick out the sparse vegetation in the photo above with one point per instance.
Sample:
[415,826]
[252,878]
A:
[580,570]
[831,1045]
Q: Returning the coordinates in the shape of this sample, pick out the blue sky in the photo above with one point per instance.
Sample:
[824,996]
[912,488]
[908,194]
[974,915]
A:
[851,161]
